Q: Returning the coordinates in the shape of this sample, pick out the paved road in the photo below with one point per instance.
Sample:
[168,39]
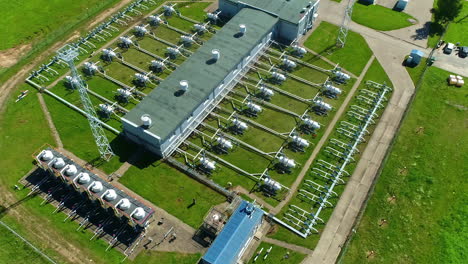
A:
[401,43]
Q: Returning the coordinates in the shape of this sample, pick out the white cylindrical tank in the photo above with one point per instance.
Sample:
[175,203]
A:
[311,123]
[254,107]
[139,213]
[96,186]
[266,92]
[124,204]
[157,64]
[287,162]
[141,30]
[212,16]
[47,155]
[184,85]
[224,143]
[208,164]
[186,39]
[110,195]
[109,53]
[279,77]
[242,28]
[84,178]
[91,67]
[107,109]
[124,92]
[70,170]
[289,63]
[59,163]
[169,9]
[215,54]
[240,124]
[300,142]
[200,27]
[126,41]
[332,89]
[323,106]
[155,20]
[272,184]
[146,120]
[173,51]
[299,50]
[141,77]
[342,76]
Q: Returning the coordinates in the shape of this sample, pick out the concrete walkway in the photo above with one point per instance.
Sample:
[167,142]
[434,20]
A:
[344,215]
[323,140]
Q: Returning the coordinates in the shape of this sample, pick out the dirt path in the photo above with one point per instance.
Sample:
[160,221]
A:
[283,244]
[11,56]
[50,122]
[323,140]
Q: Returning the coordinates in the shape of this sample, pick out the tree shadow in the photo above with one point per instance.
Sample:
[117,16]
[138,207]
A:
[423,32]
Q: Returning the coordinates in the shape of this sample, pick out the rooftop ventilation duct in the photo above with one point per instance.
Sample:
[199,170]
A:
[242,29]
[184,85]
[146,120]
[215,54]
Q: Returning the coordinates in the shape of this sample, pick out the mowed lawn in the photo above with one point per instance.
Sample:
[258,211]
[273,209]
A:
[421,193]
[29,20]
[353,57]
[277,255]
[379,17]
[15,250]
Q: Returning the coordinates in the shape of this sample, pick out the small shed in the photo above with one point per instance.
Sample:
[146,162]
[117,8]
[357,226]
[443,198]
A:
[414,58]
[236,235]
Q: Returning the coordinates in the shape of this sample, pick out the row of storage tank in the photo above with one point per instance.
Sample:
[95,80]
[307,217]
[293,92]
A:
[85,181]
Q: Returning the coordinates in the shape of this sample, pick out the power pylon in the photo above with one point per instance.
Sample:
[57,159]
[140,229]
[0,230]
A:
[68,54]
[343,33]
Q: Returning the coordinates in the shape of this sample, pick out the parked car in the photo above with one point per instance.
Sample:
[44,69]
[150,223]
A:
[463,52]
[449,48]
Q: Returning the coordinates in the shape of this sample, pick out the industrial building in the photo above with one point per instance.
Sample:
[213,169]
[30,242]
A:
[233,240]
[170,113]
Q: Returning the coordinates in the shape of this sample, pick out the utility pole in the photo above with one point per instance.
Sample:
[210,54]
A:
[343,33]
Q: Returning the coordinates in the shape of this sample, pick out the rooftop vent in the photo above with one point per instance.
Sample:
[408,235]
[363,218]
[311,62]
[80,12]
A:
[146,120]
[242,29]
[184,85]
[215,54]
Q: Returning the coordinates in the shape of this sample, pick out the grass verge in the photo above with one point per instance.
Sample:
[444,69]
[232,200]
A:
[277,255]
[421,191]
[353,57]
[380,18]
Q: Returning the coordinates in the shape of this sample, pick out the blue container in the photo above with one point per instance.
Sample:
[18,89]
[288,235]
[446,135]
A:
[414,58]
[401,5]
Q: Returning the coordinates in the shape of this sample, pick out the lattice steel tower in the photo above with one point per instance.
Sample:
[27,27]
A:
[68,54]
[343,33]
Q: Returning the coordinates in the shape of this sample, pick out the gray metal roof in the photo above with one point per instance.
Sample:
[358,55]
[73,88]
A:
[167,108]
[289,10]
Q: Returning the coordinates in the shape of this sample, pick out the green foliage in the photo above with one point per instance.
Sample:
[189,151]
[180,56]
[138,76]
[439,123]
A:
[456,31]
[447,10]
[379,17]
[353,57]
[427,220]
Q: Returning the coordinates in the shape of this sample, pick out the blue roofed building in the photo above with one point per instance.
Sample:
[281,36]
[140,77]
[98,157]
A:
[233,240]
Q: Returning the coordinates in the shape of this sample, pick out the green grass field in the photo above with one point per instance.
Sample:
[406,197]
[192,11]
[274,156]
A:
[426,174]
[15,250]
[374,73]
[352,57]
[379,17]
[277,255]
[31,21]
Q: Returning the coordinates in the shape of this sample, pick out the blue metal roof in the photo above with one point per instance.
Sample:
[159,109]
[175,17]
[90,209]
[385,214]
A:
[227,246]
[417,52]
